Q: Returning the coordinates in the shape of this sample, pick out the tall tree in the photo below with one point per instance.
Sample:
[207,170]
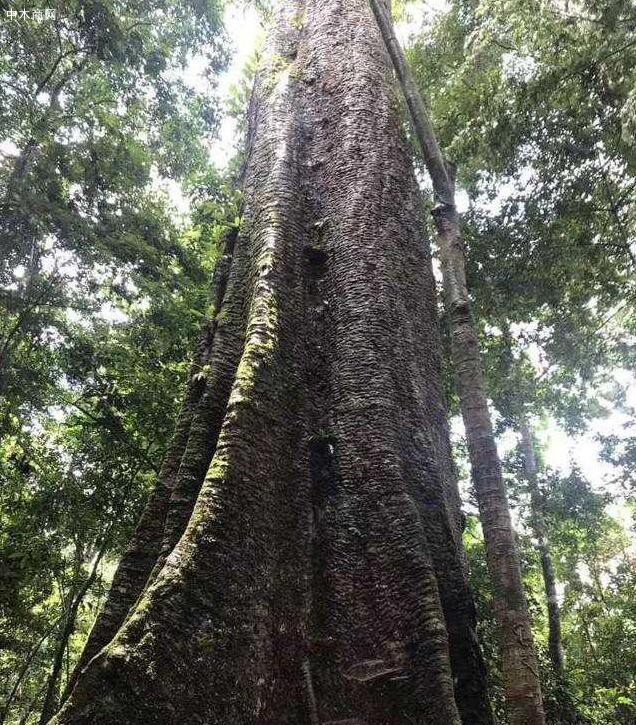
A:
[101,296]
[315,572]
[568,712]
[540,531]
[535,101]
[520,665]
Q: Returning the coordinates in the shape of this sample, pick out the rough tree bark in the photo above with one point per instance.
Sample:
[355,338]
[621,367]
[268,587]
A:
[315,574]
[145,548]
[520,665]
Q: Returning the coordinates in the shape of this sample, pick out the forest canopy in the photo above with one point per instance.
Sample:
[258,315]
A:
[158,164]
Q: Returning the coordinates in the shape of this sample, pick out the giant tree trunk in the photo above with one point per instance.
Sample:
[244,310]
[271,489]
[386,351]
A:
[519,660]
[194,431]
[319,575]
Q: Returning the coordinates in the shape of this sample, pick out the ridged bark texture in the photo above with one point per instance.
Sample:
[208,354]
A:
[145,547]
[320,577]
[519,660]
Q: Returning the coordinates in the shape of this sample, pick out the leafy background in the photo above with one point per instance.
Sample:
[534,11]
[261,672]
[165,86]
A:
[118,168]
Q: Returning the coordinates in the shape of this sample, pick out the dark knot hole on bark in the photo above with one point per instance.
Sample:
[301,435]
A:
[316,261]
[323,469]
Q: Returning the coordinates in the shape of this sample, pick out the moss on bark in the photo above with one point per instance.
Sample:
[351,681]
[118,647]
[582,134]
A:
[319,575]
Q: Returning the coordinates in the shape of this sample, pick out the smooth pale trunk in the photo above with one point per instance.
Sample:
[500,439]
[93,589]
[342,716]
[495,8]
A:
[320,577]
[557,656]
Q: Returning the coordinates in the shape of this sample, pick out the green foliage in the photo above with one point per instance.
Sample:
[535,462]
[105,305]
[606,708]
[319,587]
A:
[531,101]
[535,103]
[487,628]
[102,296]
[95,107]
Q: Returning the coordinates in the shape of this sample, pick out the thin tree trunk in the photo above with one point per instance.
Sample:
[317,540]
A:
[520,665]
[22,673]
[50,704]
[26,714]
[316,574]
[538,523]
[568,710]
